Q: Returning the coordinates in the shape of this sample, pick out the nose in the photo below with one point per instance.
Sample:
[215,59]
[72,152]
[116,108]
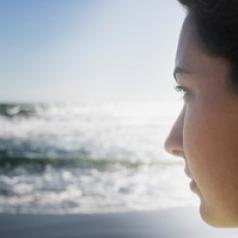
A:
[174,142]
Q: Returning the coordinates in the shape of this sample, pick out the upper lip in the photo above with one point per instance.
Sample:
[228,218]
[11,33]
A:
[187,172]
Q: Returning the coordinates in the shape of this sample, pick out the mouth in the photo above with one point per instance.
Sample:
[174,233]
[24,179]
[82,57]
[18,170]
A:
[193,185]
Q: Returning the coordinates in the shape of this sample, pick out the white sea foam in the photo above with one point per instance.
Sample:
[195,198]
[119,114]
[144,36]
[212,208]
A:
[130,132]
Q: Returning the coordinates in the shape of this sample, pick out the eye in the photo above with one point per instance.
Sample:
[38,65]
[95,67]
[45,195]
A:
[183,90]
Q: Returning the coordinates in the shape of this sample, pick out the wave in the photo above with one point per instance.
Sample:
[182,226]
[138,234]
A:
[16,110]
[78,134]
[39,164]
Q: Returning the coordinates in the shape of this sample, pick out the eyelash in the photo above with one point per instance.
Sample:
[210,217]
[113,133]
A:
[183,90]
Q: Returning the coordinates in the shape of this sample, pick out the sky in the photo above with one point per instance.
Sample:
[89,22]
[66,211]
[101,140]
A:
[88,50]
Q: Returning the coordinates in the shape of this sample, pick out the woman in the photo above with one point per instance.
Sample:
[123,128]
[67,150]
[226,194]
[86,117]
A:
[205,133]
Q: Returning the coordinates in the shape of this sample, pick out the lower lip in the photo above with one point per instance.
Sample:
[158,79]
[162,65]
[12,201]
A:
[193,186]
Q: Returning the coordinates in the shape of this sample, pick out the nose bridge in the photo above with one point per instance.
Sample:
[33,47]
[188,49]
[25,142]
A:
[174,141]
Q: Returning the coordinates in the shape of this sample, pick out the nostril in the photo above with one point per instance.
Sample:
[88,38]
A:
[173,148]
[177,153]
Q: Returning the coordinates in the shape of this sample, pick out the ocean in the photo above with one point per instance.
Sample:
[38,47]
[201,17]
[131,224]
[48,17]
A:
[89,158]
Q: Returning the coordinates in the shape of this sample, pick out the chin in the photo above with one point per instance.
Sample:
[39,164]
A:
[209,217]
[217,219]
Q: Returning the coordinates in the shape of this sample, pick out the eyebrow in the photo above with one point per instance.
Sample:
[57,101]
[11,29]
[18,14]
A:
[179,70]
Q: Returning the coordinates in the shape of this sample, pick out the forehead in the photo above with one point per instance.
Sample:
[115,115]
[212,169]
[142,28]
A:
[192,55]
[189,50]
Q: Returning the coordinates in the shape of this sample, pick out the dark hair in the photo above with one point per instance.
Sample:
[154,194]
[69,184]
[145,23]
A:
[217,26]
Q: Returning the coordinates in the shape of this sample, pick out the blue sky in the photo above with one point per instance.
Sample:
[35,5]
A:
[88,50]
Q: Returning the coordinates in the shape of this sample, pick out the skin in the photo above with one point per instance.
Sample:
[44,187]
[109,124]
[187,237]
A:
[205,133]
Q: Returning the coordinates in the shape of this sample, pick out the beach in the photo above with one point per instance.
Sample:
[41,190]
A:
[104,174]
[174,222]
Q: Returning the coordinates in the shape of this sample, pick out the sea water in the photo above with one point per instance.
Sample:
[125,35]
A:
[89,158]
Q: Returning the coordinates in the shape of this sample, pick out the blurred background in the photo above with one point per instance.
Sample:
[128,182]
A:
[87,101]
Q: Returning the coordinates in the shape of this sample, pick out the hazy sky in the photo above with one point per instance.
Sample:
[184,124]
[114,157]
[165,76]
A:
[88,50]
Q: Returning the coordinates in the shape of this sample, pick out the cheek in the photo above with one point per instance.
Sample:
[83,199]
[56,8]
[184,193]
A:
[210,143]
[198,143]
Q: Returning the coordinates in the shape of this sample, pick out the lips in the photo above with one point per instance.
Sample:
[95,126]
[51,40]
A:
[193,185]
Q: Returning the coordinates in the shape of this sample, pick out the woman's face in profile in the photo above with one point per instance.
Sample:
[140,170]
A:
[205,133]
